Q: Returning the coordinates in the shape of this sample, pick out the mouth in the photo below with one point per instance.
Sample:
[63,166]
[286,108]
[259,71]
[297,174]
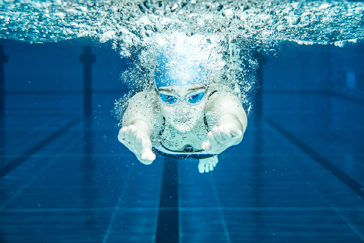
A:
[182,119]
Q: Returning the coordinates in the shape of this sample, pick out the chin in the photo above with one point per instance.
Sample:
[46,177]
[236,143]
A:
[183,127]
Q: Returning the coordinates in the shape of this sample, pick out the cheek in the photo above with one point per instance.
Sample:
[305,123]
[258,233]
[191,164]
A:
[195,112]
[166,110]
[197,109]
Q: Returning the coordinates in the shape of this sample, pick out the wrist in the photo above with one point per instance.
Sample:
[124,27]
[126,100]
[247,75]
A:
[229,120]
[142,127]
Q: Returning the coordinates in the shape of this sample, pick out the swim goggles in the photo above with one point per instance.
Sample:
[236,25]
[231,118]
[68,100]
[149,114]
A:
[192,99]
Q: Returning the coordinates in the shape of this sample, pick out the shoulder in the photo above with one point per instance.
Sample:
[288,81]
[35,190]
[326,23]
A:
[218,90]
[142,105]
[221,100]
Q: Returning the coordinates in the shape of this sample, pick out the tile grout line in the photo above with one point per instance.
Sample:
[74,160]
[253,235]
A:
[179,205]
[352,227]
[15,195]
[37,147]
[285,209]
[116,208]
[329,204]
[19,140]
[336,147]
[220,210]
[158,208]
[351,183]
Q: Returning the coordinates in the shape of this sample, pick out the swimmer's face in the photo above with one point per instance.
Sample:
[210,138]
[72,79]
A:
[182,106]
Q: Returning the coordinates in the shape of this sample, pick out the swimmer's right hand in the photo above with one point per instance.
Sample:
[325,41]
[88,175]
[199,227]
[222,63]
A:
[140,145]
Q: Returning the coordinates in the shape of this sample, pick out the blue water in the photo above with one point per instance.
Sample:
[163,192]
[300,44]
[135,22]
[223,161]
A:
[296,177]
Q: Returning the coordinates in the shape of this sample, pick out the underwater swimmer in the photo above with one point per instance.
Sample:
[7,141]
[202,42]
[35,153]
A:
[187,117]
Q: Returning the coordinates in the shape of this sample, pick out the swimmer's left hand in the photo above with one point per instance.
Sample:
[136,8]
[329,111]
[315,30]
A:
[221,138]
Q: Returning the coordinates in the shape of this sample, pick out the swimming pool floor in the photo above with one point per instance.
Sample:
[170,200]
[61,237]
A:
[68,179]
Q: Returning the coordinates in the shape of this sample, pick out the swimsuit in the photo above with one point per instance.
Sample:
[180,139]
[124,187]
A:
[188,151]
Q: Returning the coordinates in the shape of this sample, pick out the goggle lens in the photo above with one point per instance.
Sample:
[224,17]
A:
[194,99]
[169,99]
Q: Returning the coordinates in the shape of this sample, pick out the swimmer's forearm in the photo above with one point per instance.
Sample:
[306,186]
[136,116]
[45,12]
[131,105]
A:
[136,137]
[229,120]
[142,127]
[230,111]
[229,132]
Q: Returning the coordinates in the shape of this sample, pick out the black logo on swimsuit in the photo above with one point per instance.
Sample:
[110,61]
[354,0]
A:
[189,149]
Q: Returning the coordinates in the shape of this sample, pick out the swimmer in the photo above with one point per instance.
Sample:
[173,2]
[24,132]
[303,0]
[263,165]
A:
[186,117]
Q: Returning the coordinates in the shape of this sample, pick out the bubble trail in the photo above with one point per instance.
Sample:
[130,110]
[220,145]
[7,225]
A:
[227,33]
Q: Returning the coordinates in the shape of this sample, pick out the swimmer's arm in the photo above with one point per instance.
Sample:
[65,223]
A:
[231,122]
[138,109]
[231,113]
[136,131]
[136,137]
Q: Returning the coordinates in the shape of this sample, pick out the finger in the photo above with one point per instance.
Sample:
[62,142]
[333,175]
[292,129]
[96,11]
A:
[147,157]
[225,133]
[211,166]
[207,169]
[217,135]
[133,134]
[138,145]
[212,139]
[121,136]
[215,163]
[206,146]
[143,150]
[201,167]
[235,132]
[142,145]
[127,134]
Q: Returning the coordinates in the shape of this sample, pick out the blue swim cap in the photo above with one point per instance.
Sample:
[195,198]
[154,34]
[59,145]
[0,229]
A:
[179,70]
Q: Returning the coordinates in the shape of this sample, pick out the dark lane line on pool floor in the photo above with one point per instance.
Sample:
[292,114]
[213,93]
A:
[167,226]
[338,173]
[33,150]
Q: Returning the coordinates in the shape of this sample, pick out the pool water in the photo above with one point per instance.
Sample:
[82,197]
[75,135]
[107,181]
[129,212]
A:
[64,177]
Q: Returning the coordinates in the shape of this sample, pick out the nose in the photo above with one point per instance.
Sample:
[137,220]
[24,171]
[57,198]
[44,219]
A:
[183,109]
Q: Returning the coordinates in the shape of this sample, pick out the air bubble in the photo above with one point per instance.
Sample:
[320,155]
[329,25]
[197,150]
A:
[226,32]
